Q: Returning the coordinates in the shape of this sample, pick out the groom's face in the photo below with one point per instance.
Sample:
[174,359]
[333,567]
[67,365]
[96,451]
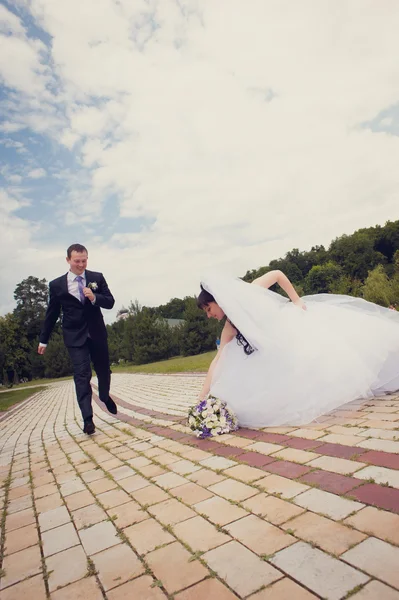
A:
[77,262]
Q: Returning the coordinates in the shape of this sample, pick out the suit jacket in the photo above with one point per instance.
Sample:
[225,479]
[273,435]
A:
[79,320]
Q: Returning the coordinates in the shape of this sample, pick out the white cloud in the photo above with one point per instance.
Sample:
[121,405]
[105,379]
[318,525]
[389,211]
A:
[236,129]
[37,173]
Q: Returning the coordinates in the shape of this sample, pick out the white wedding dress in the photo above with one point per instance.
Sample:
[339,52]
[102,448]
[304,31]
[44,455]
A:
[305,363]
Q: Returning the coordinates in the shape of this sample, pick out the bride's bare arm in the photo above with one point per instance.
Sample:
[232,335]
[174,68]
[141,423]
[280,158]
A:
[272,277]
[228,334]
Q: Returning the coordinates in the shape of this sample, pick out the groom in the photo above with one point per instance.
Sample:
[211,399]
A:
[81,294]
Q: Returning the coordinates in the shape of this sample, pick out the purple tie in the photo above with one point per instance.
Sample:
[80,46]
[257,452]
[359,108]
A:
[79,279]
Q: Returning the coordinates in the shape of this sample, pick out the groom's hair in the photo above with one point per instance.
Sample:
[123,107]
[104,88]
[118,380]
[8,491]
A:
[76,248]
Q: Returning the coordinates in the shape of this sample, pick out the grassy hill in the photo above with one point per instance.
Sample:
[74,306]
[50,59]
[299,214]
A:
[198,364]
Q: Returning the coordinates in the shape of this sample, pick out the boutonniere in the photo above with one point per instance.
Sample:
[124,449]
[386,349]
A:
[93,286]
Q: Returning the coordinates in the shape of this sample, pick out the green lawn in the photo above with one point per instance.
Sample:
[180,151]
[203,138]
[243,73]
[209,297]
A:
[10,398]
[39,382]
[199,363]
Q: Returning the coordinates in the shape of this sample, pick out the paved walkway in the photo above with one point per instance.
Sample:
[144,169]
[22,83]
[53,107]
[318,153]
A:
[143,510]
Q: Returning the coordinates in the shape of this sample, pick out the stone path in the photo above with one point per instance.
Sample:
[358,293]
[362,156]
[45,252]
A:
[143,510]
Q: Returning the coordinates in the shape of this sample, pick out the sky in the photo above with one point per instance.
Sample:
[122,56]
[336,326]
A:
[171,137]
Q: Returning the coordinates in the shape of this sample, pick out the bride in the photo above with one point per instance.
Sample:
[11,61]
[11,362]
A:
[287,363]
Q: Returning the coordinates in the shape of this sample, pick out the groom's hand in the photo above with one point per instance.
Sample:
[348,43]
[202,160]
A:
[41,349]
[88,293]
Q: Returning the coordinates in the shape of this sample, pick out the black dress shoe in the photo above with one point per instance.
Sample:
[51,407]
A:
[89,428]
[110,404]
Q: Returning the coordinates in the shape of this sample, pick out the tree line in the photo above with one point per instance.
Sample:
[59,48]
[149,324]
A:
[364,264]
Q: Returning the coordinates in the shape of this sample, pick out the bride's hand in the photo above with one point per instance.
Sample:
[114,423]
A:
[300,304]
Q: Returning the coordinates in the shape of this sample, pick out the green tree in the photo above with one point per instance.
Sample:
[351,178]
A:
[321,278]
[378,288]
[199,334]
[56,358]
[15,348]
[174,309]
[356,254]
[31,296]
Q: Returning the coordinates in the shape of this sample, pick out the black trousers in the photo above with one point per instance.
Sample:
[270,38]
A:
[81,356]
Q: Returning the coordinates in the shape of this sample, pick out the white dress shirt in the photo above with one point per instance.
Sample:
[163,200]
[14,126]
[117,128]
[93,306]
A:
[73,289]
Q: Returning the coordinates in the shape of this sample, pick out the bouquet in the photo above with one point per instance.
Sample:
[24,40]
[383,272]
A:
[211,417]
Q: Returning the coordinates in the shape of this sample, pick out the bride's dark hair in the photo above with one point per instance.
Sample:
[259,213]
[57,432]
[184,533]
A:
[204,299]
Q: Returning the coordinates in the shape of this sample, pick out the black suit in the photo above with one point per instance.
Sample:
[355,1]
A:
[85,335]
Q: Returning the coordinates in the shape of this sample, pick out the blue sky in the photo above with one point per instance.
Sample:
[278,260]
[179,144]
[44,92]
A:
[171,139]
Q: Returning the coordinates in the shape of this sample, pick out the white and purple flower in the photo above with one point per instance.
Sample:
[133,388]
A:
[211,417]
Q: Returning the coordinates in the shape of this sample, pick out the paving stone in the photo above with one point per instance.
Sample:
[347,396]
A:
[305,564]
[152,471]
[259,536]
[328,535]
[184,467]
[336,465]
[377,558]
[92,475]
[173,566]
[147,536]
[240,568]
[21,538]
[379,496]
[272,509]
[205,477]
[66,567]
[191,493]
[382,459]
[59,539]
[141,588]
[219,510]
[79,500]
[88,515]
[199,534]
[102,485]
[286,488]
[380,475]
[296,456]
[170,480]
[44,490]
[206,590]
[53,518]
[17,492]
[378,523]
[330,482]
[286,469]
[133,483]
[264,448]
[117,565]
[122,472]
[20,565]
[113,498]
[99,537]
[150,494]
[32,587]
[20,519]
[327,504]
[19,504]
[374,590]
[171,512]
[85,589]
[384,445]
[128,514]
[48,503]
[284,589]
[217,462]
[244,473]
[233,490]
